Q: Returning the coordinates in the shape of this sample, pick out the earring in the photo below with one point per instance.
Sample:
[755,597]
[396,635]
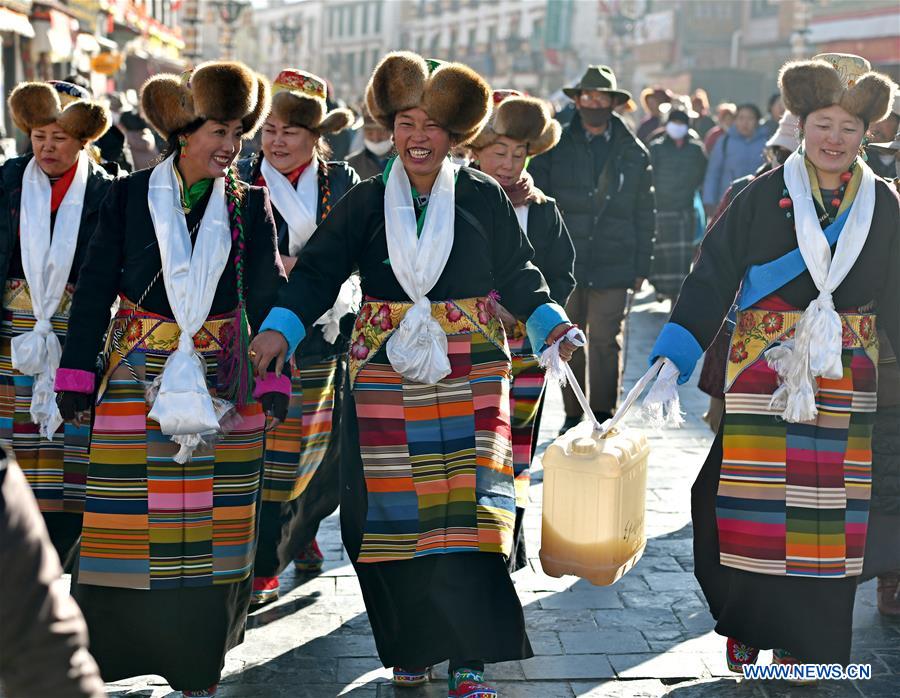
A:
[182,145]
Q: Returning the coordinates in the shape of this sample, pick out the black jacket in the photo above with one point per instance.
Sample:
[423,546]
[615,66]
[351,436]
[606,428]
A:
[123,258]
[677,172]
[10,201]
[366,163]
[340,178]
[755,230]
[554,253]
[490,252]
[610,214]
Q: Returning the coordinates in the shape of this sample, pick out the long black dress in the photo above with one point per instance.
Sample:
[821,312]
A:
[432,566]
[165,585]
[806,612]
[301,478]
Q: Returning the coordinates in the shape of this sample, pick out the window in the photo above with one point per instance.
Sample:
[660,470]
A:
[492,37]
[351,64]
[473,38]
[363,68]
[330,23]
[378,17]
[365,18]
[340,12]
[351,20]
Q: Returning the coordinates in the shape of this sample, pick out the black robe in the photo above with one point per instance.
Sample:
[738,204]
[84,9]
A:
[810,617]
[460,606]
[134,631]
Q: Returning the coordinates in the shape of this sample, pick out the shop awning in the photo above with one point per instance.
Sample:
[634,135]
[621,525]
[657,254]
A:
[15,22]
[54,36]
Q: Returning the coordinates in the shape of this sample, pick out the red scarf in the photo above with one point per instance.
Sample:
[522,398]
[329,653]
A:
[59,188]
[292,176]
[524,192]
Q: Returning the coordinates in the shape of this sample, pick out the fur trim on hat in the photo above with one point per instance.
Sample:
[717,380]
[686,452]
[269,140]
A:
[217,90]
[255,118]
[525,119]
[454,95]
[807,86]
[37,104]
[309,112]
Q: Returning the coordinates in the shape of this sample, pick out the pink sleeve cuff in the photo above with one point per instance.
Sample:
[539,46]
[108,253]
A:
[74,380]
[272,384]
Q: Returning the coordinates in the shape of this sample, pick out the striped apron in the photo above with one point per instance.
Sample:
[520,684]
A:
[149,522]
[437,459]
[793,499]
[526,391]
[56,470]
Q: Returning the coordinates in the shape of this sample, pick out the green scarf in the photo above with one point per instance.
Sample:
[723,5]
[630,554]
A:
[194,193]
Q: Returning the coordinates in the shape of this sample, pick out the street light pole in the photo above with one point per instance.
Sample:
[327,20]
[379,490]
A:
[229,12]
[287,34]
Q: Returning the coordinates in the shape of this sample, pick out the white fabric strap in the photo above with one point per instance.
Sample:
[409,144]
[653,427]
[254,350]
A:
[349,300]
[522,215]
[298,206]
[418,348]
[182,404]
[816,348]
[47,262]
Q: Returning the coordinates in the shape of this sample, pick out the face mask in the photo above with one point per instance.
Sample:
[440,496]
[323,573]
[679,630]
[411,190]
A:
[886,159]
[595,117]
[379,148]
[459,160]
[676,130]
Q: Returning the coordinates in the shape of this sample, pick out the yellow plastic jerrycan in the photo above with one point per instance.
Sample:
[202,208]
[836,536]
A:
[593,508]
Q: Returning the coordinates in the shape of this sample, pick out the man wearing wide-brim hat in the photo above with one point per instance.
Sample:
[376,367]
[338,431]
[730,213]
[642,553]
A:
[600,176]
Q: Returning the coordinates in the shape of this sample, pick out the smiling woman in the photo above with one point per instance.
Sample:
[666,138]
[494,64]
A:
[427,496]
[780,508]
[173,479]
[51,202]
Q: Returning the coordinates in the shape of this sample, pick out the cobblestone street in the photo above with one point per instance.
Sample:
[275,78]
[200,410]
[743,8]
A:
[648,635]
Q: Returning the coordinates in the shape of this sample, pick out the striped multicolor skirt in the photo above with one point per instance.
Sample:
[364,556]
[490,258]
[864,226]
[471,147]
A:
[300,480]
[295,450]
[793,499]
[149,522]
[437,459]
[56,470]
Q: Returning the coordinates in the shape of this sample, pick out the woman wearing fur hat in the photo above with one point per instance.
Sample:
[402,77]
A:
[780,507]
[51,198]
[427,496]
[519,128]
[300,484]
[169,530]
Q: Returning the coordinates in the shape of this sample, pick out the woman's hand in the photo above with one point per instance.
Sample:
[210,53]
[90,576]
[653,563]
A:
[75,408]
[266,347]
[567,349]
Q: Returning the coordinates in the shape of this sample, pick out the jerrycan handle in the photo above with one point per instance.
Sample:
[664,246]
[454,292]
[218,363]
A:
[601,430]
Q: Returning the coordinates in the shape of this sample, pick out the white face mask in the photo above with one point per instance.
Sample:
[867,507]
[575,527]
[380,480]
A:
[676,130]
[460,160]
[886,159]
[379,148]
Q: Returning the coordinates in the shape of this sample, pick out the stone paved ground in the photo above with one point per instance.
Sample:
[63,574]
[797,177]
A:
[648,635]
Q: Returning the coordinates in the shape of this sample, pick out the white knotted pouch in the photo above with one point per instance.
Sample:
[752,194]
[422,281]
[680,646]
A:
[47,263]
[816,348]
[180,398]
[418,347]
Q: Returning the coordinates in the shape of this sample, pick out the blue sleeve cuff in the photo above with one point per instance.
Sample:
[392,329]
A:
[542,322]
[677,344]
[288,324]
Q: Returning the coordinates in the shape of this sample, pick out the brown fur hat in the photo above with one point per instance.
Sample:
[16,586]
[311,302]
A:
[216,90]
[525,119]
[37,104]
[452,94]
[300,100]
[834,78]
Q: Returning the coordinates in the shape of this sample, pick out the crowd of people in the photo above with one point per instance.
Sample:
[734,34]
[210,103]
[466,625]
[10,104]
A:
[219,324]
